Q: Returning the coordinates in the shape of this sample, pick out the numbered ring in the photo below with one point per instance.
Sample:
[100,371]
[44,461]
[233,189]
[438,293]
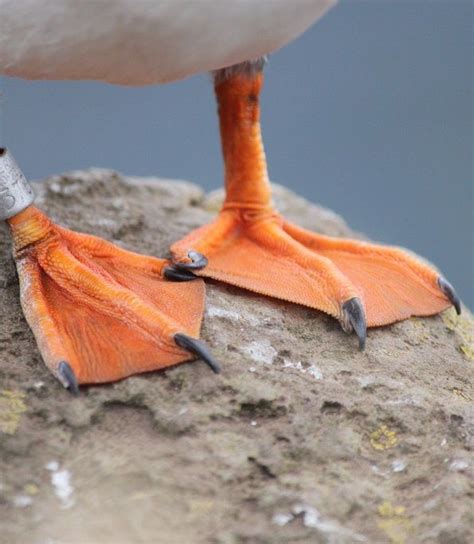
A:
[15,192]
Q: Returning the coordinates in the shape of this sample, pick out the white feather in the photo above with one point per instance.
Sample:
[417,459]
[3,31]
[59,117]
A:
[138,42]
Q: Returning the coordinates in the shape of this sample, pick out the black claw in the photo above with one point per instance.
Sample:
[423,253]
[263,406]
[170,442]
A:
[68,378]
[173,273]
[183,271]
[197,348]
[354,319]
[449,291]
[198,261]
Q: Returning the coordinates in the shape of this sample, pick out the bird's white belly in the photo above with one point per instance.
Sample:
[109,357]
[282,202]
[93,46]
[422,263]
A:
[138,42]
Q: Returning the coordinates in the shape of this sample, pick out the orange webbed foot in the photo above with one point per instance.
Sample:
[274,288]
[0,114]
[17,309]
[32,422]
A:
[100,313]
[358,283]
[252,246]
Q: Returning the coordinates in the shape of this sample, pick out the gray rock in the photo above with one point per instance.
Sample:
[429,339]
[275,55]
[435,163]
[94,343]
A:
[302,438]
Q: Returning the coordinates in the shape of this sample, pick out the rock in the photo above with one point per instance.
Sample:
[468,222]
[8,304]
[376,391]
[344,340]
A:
[301,438]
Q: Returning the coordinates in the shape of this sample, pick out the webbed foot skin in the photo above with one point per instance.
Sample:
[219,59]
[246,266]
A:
[100,313]
[360,284]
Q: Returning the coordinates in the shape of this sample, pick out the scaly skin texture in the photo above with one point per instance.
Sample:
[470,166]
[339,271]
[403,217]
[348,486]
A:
[250,245]
[108,313]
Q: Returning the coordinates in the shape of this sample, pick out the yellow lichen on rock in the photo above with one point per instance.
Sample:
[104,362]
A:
[383,438]
[463,326]
[200,507]
[31,489]
[11,409]
[468,351]
[387,510]
[394,523]
[461,393]
[420,332]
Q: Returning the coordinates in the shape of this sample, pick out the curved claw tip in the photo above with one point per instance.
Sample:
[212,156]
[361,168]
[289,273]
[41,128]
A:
[198,261]
[354,319]
[68,378]
[197,348]
[449,291]
[173,273]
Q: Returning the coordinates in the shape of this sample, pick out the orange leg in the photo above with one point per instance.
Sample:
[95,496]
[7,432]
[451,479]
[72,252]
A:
[100,313]
[250,245]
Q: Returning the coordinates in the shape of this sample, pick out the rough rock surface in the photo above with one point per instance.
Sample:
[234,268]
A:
[302,438]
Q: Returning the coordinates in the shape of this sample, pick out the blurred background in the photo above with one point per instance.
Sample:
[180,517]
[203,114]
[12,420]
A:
[368,113]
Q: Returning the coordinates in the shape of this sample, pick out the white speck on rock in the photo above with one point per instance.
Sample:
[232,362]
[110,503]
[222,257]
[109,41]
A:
[61,480]
[406,400]
[63,488]
[261,351]
[399,465]
[282,519]
[291,364]
[430,505]
[22,501]
[312,519]
[252,369]
[458,465]
[104,222]
[365,381]
[311,370]
[310,515]
[118,203]
[214,311]
[315,372]
[55,187]
[253,423]
[377,471]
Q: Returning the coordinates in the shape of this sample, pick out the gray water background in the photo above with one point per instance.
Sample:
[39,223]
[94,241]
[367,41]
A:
[368,113]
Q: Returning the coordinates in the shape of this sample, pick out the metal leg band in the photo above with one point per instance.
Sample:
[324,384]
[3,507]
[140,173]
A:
[15,192]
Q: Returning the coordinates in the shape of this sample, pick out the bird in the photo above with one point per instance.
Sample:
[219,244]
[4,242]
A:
[100,313]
